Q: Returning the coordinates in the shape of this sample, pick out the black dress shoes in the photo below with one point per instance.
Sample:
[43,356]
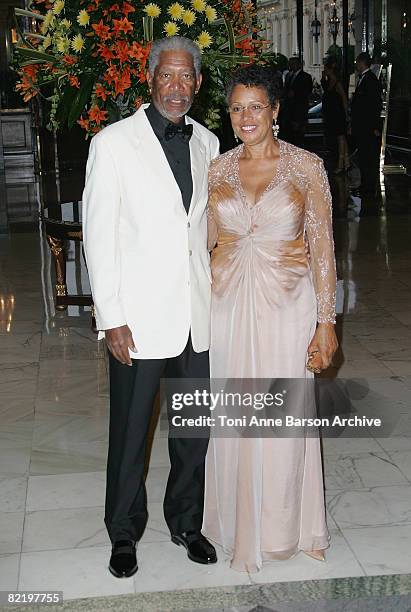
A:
[123,560]
[198,547]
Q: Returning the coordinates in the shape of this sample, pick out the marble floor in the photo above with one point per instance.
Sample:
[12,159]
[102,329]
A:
[53,426]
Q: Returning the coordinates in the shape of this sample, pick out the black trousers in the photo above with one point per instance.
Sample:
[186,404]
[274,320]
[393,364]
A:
[132,393]
[369,147]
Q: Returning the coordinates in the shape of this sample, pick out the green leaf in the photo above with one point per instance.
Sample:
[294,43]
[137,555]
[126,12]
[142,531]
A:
[148,28]
[231,37]
[65,104]
[232,57]
[35,55]
[24,13]
[82,97]
[36,36]
[237,39]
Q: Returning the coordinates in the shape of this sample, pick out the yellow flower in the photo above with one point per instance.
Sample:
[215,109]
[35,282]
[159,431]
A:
[175,11]
[210,13]
[198,5]
[77,44]
[83,18]
[58,6]
[188,18]
[171,29]
[48,21]
[204,40]
[65,23]
[46,42]
[63,44]
[152,10]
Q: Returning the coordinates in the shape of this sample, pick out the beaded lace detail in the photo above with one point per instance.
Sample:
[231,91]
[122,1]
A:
[305,172]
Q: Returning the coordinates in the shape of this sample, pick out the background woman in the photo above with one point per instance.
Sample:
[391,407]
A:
[335,113]
[270,308]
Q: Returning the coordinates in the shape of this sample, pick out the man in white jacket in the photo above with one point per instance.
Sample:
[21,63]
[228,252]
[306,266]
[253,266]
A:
[145,239]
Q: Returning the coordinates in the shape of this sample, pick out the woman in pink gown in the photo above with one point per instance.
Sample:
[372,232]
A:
[273,308]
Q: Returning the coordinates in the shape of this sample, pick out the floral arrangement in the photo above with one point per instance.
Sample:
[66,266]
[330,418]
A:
[89,57]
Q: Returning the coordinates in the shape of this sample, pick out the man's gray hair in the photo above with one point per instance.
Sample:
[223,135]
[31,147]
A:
[174,43]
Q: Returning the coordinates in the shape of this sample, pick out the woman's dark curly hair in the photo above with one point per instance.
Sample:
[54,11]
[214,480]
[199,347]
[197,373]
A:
[253,75]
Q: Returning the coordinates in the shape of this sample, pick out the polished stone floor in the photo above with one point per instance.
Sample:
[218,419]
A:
[53,424]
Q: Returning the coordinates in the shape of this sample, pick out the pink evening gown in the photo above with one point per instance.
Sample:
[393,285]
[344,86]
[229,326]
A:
[264,497]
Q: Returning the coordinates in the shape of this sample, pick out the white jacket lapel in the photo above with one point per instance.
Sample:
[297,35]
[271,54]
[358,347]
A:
[198,165]
[152,153]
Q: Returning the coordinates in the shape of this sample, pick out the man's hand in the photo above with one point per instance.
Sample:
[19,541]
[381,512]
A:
[119,340]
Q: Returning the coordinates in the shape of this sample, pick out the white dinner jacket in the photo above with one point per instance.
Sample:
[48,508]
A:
[147,258]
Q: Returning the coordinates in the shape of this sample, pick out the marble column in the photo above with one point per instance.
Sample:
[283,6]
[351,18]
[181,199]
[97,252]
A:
[294,42]
[276,35]
[307,39]
[284,36]
[325,33]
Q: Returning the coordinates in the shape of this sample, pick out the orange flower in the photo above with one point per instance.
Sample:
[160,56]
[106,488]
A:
[110,74]
[105,52]
[30,71]
[74,82]
[141,54]
[101,92]
[122,50]
[26,87]
[114,8]
[247,47]
[28,80]
[84,123]
[127,8]
[123,81]
[101,30]
[97,115]
[122,25]
[138,102]
[137,51]
[69,60]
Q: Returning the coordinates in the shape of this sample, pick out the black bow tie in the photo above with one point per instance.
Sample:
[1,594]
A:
[184,131]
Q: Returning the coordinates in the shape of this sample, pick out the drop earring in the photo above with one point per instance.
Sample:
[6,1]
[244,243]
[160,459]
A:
[276,129]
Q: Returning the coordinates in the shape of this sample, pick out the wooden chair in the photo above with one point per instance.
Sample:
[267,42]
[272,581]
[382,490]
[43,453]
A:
[59,231]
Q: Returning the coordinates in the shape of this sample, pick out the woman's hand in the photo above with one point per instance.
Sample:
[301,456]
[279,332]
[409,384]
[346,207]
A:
[322,347]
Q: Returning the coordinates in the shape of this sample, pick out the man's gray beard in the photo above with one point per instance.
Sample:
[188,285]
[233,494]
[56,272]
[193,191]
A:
[177,115]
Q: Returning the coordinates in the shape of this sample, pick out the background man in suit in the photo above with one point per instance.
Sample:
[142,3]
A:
[294,112]
[366,105]
[145,238]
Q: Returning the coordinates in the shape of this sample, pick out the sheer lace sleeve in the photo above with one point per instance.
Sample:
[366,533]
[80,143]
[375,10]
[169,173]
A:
[212,232]
[318,227]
